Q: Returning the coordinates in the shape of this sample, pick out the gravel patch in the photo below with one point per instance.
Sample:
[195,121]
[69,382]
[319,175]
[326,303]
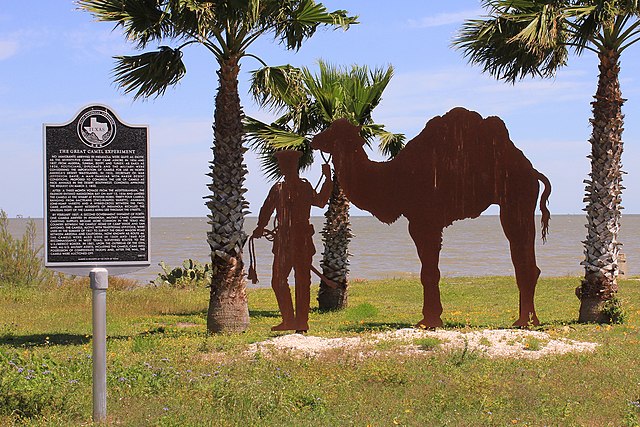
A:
[491,343]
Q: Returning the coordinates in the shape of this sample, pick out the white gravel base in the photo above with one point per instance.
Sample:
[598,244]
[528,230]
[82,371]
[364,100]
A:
[492,343]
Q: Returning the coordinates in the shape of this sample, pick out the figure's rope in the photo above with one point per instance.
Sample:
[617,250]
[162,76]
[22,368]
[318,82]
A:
[252,274]
[326,162]
[270,235]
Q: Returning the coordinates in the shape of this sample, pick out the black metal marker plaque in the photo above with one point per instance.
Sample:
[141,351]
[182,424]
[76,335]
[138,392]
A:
[96,193]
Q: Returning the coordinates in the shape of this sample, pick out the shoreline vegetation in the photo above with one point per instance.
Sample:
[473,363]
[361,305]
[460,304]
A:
[164,369]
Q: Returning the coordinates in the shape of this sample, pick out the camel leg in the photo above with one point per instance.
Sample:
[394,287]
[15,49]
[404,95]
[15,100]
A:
[519,227]
[428,242]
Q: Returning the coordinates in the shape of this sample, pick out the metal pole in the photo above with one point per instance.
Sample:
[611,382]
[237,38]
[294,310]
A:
[99,283]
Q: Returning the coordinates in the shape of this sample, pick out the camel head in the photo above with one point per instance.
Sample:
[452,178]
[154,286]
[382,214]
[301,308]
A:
[340,134]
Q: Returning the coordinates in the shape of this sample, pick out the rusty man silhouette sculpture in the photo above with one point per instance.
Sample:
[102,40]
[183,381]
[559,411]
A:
[293,247]
[457,167]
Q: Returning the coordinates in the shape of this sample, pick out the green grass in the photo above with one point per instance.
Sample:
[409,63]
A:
[164,370]
[427,343]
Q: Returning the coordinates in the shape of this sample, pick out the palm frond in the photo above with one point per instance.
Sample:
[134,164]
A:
[277,87]
[260,134]
[142,21]
[364,91]
[326,91]
[512,43]
[607,24]
[532,37]
[149,74]
[298,20]
[266,139]
[391,143]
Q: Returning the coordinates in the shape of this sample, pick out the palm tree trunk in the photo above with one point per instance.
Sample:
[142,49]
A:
[603,194]
[228,308]
[335,258]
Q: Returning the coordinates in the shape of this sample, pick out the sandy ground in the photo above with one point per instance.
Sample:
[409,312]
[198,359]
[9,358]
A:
[492,343]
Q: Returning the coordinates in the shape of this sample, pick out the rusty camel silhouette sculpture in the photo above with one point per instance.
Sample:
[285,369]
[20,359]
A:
[457,167]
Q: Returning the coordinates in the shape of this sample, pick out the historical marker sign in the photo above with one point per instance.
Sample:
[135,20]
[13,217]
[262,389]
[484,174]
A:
[96,194]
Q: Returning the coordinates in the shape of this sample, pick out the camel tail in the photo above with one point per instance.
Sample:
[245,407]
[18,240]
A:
[544,200]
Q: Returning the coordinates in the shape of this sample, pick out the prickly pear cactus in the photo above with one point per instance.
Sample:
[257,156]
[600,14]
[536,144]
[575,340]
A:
[192,273]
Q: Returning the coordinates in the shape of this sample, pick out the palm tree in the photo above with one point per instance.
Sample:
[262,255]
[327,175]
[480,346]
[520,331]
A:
[226,28]
[309,104]
[533,37]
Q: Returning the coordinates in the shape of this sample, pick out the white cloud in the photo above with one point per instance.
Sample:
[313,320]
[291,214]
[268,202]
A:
[413,97]
[444,18]
[8,49]
[93,43]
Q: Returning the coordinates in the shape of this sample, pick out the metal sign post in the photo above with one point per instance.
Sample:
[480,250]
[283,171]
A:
[99,283]
[96,214]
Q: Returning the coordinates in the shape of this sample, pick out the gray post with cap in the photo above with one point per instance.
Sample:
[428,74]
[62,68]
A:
[99,283]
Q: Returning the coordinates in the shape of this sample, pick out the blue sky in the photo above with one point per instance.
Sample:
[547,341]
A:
[55,59]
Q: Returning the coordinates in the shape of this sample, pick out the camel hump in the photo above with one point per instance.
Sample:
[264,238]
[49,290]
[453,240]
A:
[461,112]
[460,131]
[460,115]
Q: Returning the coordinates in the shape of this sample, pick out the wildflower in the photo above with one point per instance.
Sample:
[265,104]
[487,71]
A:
[73,381]
[47,372]
[122,379]
[165,409]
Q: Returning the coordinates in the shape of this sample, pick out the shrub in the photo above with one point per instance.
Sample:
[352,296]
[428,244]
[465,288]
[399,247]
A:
[20,260]
[190,274]
[117,283]
[614,311]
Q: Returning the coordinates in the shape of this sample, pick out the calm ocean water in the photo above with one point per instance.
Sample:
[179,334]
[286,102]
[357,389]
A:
[470,248]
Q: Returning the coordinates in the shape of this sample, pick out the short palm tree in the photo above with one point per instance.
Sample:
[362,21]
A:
[309,103]
[533,37]
[226,28]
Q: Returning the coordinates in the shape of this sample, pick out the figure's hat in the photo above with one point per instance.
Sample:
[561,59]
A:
[286,157]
